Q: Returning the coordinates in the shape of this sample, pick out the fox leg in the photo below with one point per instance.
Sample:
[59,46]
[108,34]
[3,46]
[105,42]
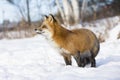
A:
[67,59]
[83,62]
[87,60]
[92,60]
[79,60]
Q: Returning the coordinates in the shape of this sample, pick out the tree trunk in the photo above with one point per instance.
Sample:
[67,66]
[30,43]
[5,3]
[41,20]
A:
[61,12]
[28,12]
[76,10]
[84,6]
[68,11]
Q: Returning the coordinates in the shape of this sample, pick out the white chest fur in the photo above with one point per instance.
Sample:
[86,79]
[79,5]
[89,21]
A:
[58,48]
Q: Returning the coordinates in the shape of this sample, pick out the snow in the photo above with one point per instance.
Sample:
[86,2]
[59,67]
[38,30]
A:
[113,34]
[35,59]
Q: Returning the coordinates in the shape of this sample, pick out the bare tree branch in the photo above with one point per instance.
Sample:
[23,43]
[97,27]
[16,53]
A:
[12,2]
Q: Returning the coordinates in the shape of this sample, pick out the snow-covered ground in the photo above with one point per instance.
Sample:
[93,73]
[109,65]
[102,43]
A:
[35,59]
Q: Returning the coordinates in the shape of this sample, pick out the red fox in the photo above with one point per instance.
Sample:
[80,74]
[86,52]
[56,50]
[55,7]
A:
[82,43]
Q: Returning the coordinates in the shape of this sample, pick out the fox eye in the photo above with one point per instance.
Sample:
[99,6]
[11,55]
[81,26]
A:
[45,27]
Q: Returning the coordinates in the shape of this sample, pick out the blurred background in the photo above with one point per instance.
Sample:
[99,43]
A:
[18,18]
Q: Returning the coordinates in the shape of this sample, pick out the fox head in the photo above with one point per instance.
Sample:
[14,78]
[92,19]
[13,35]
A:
[47,26]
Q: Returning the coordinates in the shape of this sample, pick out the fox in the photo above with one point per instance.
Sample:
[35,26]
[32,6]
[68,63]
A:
[81,44]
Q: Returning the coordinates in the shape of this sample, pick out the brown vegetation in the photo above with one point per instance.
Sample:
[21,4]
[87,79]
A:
[17,30]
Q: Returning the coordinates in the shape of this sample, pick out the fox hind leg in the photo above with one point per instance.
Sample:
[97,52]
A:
[92,60]
[80,61]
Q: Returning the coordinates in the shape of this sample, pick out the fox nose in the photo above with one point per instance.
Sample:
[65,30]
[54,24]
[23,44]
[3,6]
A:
[35,29]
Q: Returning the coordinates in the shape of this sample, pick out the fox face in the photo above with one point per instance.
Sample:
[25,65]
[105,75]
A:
[46,28]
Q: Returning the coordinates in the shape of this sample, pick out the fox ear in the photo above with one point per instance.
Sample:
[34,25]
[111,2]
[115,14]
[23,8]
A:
[45,17]
[51,18]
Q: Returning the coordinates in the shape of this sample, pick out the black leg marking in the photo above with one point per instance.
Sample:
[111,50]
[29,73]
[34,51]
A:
[93,63]
[83,62]
[92,60]
[87,60]
[67,60]
[78,59]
